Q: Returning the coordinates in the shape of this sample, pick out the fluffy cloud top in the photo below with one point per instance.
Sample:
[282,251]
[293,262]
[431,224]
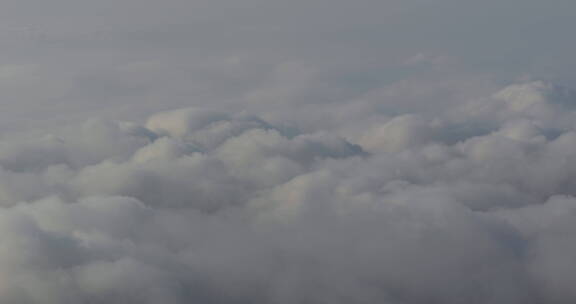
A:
[475,204]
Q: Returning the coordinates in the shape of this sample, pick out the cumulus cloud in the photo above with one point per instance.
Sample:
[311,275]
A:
[472,204]
[301,151]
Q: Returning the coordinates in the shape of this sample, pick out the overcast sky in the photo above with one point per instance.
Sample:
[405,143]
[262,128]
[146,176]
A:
[68,60]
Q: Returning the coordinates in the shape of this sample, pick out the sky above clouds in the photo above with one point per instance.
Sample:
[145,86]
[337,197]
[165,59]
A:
[274,151]
[68,60]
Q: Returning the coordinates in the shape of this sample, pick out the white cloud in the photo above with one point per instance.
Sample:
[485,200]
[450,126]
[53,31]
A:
[223,207]
[294,152]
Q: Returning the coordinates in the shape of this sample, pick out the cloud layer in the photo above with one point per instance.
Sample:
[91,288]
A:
[474,203]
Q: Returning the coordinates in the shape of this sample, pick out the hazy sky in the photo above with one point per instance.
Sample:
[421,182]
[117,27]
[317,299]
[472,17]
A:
[65,59]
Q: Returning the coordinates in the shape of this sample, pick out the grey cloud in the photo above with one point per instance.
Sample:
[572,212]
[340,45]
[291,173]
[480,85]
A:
[221,207]
[370,151]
